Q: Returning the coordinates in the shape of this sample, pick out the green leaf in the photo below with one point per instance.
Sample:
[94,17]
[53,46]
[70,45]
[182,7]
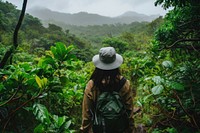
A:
[38,80]
[55,54]
[146,97]
[65,127]
[39,129]
[43,95]
[157,89]
[61,120]
[69,48]
[139,103]
[177,86]
[41,113]
[157,79]
[26,66]
[44,82]
[41,82]
[59,51]
[167,64]
[44,62]
[31,82]
[68,123]
[1,87]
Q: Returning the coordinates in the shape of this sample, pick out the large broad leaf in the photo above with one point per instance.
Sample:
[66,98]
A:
[167,64]
[157,89]
[48,60]
[41,113]
[59,51]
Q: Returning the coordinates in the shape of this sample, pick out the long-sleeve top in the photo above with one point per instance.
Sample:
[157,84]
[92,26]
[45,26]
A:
[91,93]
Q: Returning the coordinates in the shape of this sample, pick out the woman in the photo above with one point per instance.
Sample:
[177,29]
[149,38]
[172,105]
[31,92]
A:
[106,77]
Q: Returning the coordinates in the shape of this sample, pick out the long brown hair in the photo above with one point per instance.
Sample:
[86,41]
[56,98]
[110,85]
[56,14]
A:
[106,80]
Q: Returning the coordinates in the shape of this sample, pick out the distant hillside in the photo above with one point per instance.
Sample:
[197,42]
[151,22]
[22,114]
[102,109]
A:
[84,18]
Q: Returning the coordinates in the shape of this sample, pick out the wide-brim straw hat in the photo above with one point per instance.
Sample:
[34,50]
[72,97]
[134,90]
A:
[107,59]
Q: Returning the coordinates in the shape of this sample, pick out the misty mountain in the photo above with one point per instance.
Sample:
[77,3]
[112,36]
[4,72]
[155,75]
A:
[84,18]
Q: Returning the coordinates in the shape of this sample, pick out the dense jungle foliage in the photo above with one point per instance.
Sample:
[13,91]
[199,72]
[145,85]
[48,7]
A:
[42,82]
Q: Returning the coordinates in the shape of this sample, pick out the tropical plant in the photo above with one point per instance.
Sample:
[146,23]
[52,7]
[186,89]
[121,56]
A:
[50,123]
[167,91]
[51,82]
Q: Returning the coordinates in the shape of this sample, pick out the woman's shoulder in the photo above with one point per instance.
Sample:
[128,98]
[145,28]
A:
[90,91]
[89,85]
[126,85]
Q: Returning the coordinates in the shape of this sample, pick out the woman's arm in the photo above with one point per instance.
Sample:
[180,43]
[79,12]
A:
[127,96]
[87,108]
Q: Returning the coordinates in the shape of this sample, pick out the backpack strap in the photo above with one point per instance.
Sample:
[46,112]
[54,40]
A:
[121,83]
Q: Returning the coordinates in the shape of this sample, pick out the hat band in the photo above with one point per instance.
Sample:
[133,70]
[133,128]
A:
[108,59]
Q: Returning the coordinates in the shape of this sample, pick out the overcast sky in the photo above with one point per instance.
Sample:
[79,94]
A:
[102,7]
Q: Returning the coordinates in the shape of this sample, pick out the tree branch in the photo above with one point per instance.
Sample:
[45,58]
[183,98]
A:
[11,98]
[189,22]
[193,120]
[15,44]
[19,24]
[191,47]
[183,40]
[188,47]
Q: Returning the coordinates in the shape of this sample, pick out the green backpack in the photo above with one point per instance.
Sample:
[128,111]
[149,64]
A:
[110,115]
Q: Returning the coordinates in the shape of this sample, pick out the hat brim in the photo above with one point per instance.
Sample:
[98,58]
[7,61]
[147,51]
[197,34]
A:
[101,65]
